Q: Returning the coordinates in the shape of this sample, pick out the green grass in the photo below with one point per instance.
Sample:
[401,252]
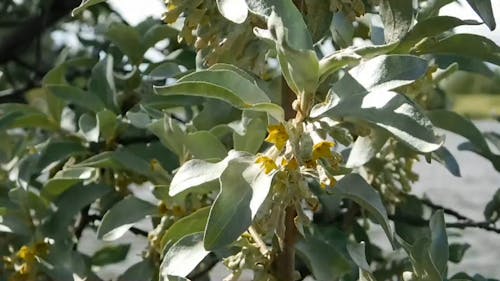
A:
[477,106]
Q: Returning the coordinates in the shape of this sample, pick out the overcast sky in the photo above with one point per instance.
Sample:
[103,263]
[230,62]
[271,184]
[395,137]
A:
[134,11]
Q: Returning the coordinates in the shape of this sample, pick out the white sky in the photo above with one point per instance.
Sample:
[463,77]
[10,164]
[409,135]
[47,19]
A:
[134,11]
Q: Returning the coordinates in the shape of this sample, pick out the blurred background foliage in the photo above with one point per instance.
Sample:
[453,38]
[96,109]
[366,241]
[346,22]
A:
[109,67]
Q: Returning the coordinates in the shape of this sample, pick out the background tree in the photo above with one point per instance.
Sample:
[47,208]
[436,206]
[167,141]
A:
[267,138]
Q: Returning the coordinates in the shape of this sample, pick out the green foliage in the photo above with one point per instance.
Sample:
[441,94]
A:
[109,141]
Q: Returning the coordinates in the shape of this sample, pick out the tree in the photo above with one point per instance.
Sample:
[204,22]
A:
[252,142]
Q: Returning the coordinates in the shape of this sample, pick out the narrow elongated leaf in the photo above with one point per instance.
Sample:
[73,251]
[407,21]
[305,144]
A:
[357,253]
[69,205]
[457,124]
[445,157]
[77,96]
[484,10]
[195,222]
[430,27]
[397,16]
[65,179]
[286,27]
[198,143]
[243,188]
[102,83]
[323,254]
[365,148]
[183,256]
[233,10]
[119,219]
[388,72]
[110,255]
[354,187]
[197,173]
[128,41]
[467,45]
[225,85]
[439,242]
[388,110]
[143,270]
[244,89]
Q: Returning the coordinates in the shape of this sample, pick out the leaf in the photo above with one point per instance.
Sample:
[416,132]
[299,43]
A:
[365,148]
[357,253]
[107,123]
[165,70]
[85,5]
[143,270]
[243,188]
[397,16]
[183,256]
[170,133]
[156,33]
[69,205]
[233,10]
[342,30]
[253,132]
[194,222]
[492,209]
[445,157]
[77,96]
[110,255]
[428,28]
[467,45]
[225,85]
[204,145]
[101,83]
[197,173]
[122,216]
[318,9]
[128,40]
[89,127]
[484,10]
[457,251]
[388,72]
[459,125]
[64,179]
[323,255]
[56,151]
[439,242]
[286,27]
[388,110]
[24,116]
[355,188]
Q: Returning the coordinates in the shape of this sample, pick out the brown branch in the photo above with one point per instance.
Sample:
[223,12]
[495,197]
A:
[417,221]
[447,211]
[285,260]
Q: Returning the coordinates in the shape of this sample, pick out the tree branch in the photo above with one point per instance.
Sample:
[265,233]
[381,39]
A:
[417,221]
[21,36]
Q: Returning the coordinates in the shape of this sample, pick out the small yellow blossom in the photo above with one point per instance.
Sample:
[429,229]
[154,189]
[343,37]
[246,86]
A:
[322,150]
[277,136]
[267,163]
[290,165]
[26,253]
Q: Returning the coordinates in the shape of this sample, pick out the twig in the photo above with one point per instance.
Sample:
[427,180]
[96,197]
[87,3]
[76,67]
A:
[138,231]
[447,211]
[417,221]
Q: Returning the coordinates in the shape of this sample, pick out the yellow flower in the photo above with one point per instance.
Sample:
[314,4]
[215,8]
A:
[277,136]
[267,163]
[323,150]
[25,253]
[290,165]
